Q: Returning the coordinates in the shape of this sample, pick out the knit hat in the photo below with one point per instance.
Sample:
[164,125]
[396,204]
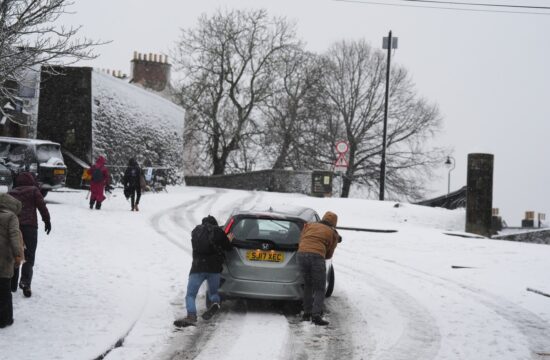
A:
[210,220]
[330,218]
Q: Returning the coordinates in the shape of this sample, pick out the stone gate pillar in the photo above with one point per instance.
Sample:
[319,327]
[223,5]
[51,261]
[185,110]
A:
[479,200]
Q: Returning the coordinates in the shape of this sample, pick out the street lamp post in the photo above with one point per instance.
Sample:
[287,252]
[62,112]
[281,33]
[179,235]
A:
[450,164]
[387,43]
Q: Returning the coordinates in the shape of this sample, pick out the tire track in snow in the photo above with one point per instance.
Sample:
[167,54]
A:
[157,221]
[308,341]
[535,330]
[420,338]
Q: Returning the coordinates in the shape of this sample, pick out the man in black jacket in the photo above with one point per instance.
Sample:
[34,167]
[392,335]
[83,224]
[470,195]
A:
[132,183]
[209,242]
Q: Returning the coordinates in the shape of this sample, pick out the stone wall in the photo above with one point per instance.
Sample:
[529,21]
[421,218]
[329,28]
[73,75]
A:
[65,114]
[287,181]
[535,236]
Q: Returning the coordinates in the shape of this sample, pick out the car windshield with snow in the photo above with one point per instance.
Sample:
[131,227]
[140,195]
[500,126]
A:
[262,264]
[41,157]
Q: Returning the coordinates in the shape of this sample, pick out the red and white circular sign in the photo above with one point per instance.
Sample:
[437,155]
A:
[342,147]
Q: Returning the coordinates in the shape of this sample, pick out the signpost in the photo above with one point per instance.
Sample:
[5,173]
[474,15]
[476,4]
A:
[341,164]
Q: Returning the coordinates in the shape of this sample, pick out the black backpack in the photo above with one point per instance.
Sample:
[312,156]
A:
[202,238]
[97,175]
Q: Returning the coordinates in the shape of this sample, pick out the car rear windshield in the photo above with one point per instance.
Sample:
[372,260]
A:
[285,232]
[47,151]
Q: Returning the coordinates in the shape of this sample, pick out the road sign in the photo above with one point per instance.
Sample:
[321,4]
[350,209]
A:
[341,161]
[342,147]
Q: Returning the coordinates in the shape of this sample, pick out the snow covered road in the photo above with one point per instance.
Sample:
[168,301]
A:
[103,276]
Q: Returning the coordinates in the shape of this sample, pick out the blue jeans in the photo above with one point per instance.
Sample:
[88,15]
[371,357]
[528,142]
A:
[194,283]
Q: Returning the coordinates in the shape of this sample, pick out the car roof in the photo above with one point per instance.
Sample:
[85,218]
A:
[279,211]
[14,140]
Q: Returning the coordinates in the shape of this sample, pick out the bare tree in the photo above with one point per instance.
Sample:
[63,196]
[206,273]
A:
[292,106]
[30,37]
[354,86]
[227,64]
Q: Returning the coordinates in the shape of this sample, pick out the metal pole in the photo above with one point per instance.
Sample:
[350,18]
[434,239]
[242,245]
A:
[449,183]
[451,162]
[383,162]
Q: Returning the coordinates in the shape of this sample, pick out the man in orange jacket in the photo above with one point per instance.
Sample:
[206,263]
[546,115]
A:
[317,243]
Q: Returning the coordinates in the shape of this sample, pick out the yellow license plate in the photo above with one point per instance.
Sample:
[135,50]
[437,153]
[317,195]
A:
[261,255]
[59,171]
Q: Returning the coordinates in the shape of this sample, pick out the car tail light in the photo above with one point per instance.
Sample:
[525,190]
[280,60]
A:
[228,227]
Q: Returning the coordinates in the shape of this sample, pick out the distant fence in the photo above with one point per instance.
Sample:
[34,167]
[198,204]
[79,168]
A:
[288,181]
[534,236]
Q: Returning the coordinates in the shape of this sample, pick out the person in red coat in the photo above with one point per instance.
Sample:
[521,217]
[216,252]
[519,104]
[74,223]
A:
[27,192]
[100,181]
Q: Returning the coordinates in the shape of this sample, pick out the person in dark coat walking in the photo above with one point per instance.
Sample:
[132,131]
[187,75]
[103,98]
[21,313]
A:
[209,242]
[26,190]
[11,253]
[132,183]
[100,181]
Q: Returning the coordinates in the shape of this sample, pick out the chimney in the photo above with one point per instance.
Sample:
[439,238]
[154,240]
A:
[151,71]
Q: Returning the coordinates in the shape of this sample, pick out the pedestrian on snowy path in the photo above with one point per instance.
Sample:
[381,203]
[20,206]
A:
[132,183]
[317,243]
[27,192]
[100,181]
[209,242]
[11,253]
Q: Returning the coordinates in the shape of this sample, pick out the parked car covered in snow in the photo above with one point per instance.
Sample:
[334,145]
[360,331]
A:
[43,158]
[262,263]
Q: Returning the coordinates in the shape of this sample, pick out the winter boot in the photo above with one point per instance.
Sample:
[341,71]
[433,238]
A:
[26,289]
[317,319]
[133,208]
[306,317]
[212,310]
[136,207]
[92,204]
[6,323]
[189,320]
[98,206]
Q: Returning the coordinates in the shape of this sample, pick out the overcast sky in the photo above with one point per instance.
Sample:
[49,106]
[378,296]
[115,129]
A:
[488,72]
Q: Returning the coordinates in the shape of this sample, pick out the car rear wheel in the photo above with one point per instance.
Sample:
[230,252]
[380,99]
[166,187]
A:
[330,282]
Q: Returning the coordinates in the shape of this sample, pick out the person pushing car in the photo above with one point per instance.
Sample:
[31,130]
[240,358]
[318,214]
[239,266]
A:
[317,243]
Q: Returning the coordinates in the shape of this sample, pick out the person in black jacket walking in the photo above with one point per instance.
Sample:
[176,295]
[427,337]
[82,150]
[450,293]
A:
[132,183]
[209,242]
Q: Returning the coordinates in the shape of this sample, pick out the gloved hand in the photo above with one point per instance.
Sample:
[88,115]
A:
[18,261]
[47,227]
[109,188]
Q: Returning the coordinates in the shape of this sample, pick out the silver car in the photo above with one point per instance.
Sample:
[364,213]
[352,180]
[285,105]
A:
[262,263]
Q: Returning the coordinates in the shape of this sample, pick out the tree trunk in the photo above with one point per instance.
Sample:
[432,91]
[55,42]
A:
[346,185]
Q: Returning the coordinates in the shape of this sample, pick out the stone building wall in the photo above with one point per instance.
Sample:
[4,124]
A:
[65,114]
[91,113]
[287,181]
